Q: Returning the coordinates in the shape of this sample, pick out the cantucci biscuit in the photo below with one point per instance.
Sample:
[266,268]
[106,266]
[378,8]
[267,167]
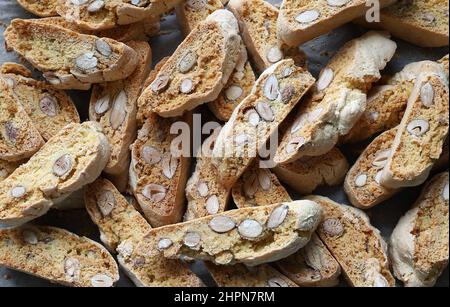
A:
[258,187]
[15,69]
[239,275]
[303,20]
[338,99]
[362,184]
[190,13]
[107,14]
[419,243]
[19,138]
[250,236]
[71,159]
[258,23]
[421,133]
[274,95]
[69,60]
[311,266]
[421,22]
[204,193]
[58,256]
[113,105]
[198,70]
[49,109]
[157,176]
[41,8]
[308,173]
[355,244]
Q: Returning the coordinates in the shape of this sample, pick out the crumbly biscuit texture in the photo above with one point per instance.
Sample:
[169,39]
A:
[41,8]
[191,13]
[58,256]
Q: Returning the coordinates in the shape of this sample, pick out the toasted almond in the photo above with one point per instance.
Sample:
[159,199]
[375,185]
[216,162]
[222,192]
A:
[72,268]
[333,227]
[264,179]
[49,105]
[277,282]
[103,47]
[381,157]
[233,92]
[197,4]
[274,54]
[150,154]
[102,105]
[62,165]
[212,204]
[287,93]
[271,88]
[86,61]
[79,2]
[221,224]
[187,61]
[125,249]
[164,243]
[314,114]
[241,139]
[265,111]
[160,84]
[186,86]
[96,6]
[427,94]
[202,189]
[287,72]
[119,110]
[325,79]
[445,191]
[299,123]
[307,16]
[418,127]
[251,185]
[30,237]
[294,144]
[252,117]
[169,165]
[154,192]
[18,191]
[106,202]
[277,216]
[101,281]
[378,177]
[250,229]
[337,3]
[11,132]
[361,180]
[192,239]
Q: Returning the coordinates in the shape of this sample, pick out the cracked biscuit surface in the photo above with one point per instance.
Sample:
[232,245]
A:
[41,8]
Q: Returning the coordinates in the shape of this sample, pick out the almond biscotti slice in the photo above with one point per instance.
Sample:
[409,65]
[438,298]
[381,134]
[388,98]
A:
[49,109]
[419,243]
[355,244]
[311,266]
[70,60]
[421,22]
[258,187]
[257,117]
[113,105]
[157,174]
[338,99]
[41,8]
[362,183]
[190,13]
[302,20]
[58,256]
[421,133]
[250,236]
[239,275]
[19,138]
[258,23]
[198,70]
[71,159]
[308,173]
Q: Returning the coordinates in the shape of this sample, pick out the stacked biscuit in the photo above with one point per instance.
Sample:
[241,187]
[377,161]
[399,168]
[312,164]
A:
[132,159]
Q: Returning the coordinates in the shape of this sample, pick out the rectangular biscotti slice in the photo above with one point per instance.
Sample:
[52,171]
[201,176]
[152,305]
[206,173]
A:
[421,133]
[250,236]
[302,20]
[355,244]
[113,105]
[157,175]
[192,12]
[421,22]
[58,256]
[386,103]
[258,187]
[308,173]
[107,14]
[362,183]
[69,60]
[338,99]
[41,8]
[49,109]
[419,243]
[71,159]
[19,138]
[274,95]
[239,275]
[311,266]
[198,70]
[258,23]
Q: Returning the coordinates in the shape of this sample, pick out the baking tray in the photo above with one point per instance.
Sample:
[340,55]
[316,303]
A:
[318,51]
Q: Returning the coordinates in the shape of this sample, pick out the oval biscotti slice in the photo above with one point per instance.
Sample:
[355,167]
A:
[69,60]
[239,275]
[250,236]
[113,105]
[121,228]
[311,266]
[338,99]
[355,243]
[419,243]
[19,138]
[308,173]
[421,133]
[362,184]
[49,109]
[198,69]
[303,20]
[157,174]
[258,23]
[252,123]
[58,256]
[71,159]
[41,8]
[190,13]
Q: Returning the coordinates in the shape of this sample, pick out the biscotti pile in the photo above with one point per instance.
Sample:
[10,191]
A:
[214,153]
